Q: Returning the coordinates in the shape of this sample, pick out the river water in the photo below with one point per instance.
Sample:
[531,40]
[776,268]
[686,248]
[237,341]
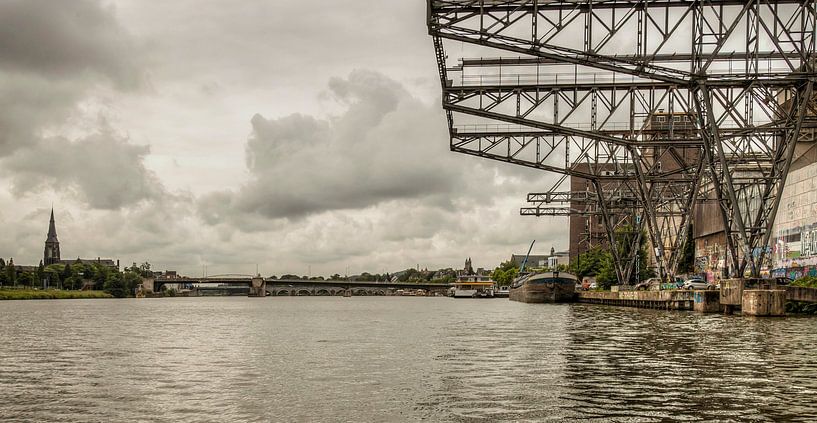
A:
[233,359]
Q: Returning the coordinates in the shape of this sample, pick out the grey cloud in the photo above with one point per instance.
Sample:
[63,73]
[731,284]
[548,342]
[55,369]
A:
[373,187]
[52,58]
[386,145]
[63,39]
[28,104]
[103,168]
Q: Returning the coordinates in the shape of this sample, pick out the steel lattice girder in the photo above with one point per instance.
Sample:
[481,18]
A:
[778,34]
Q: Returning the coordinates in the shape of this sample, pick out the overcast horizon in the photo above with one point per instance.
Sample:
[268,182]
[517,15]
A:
[229,135]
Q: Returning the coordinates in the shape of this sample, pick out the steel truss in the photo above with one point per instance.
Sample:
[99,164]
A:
[591,77]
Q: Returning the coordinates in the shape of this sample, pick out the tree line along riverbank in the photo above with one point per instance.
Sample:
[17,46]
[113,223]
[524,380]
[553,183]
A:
[69,280]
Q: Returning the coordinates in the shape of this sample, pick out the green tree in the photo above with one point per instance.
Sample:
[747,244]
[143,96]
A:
[589,263]
[599,262]
[99,275]
[115,285]
[131,281]
[11,272]
[606,273]
[73,282]
[505,273]
[3,275]
[27,279]
[142,270]
[52,276]
[145,271]
[40,273]
[504,277]
[66,272]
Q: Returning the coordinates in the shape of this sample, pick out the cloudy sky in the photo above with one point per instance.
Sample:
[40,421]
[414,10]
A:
[235,134]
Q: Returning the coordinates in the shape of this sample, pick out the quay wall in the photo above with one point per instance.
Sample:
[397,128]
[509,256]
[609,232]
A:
[801,294]
[665,300]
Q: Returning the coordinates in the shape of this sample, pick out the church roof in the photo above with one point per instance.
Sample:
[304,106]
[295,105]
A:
[52,229]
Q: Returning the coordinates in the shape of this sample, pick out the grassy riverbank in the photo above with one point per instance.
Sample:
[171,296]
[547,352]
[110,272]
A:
[48,294]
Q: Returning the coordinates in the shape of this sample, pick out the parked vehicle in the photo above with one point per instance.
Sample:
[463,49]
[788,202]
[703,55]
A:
[647,284]
[695,283]
[783,280]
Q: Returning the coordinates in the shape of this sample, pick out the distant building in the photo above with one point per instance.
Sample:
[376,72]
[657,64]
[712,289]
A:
[539,261]
[469,269]
[558,257]
[167,274]
[51,253]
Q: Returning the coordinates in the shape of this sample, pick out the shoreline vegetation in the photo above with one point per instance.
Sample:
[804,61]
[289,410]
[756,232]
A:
[69,280]
[49,294]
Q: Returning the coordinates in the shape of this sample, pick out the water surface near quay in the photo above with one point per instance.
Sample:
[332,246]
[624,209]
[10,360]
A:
[234,359]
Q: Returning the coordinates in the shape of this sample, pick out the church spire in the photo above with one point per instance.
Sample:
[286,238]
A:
[51,254]
[52,229]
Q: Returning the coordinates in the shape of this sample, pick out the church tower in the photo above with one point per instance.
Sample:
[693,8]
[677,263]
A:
[52,244]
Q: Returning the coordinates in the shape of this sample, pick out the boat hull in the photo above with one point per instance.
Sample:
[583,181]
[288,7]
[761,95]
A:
[545,289]
[472,293]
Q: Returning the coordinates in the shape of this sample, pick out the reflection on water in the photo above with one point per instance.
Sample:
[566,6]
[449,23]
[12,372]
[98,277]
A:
[394,359]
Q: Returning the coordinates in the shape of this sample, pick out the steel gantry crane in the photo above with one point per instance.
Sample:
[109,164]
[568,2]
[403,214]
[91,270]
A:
[659,102]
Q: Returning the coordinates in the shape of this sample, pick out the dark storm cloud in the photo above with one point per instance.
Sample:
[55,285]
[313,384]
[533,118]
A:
[103,168]
[62,39]
[28,104]
[386,145]
[52,57]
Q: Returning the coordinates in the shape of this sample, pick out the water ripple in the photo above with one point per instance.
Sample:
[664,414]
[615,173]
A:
[397,359]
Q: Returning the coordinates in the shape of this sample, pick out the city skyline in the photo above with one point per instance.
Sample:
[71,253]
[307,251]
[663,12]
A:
[157,146]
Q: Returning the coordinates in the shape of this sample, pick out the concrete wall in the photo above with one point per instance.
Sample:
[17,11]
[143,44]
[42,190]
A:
[711,255]
[674,295]
[796,293]
[793,247]
[794,234]
[764,302]
[732,292]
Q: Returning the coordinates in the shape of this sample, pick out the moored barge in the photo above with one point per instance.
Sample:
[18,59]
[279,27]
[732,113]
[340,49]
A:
[549,287]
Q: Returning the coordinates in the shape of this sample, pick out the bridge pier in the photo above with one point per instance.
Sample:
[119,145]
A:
[258,287]
[764,302]
[148,284]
